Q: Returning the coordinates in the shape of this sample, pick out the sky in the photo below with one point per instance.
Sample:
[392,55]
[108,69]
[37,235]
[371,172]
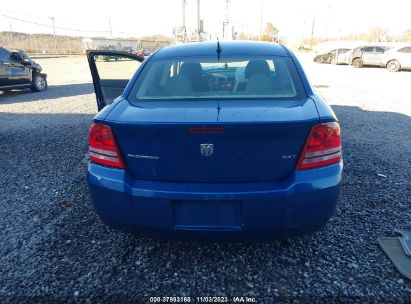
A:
[293,18]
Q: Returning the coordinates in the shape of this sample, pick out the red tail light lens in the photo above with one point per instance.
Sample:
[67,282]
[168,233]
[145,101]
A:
[103,148]
[322,148]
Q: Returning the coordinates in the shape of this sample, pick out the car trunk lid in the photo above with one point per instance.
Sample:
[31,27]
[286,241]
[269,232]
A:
[213,142]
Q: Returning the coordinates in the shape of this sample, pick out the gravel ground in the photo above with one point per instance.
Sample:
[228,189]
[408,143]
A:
[53,247]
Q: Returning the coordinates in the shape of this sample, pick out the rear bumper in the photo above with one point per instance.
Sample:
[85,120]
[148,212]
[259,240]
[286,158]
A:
[303,204]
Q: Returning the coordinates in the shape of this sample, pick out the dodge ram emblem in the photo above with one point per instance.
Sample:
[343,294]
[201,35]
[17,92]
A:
[207,149]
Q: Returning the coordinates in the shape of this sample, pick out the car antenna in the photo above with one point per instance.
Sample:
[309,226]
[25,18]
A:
[218,50]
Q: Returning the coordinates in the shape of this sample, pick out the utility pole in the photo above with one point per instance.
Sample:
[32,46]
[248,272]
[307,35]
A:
[54,32]
[198,20]
[22,46]
[181,32]
[312,31]
[69,44]
[302,36]
[328,20]
[35,43]
[111,31]
[226,21]
[184,12]
[11,36]
[261,20]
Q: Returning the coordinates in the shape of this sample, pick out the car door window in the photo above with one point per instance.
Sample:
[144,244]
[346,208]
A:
[379,50]
[368,50]
[115,72]
[111,71]
[15,58]
[116,67]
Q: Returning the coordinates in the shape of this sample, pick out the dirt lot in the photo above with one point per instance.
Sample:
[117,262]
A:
[53,246]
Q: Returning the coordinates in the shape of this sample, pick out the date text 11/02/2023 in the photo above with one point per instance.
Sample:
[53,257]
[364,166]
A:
[203,299]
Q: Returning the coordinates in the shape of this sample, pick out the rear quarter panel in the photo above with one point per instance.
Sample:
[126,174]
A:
[325,112]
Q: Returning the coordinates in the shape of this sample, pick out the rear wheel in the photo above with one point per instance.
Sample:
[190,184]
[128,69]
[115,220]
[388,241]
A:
[393,66]
[39,83]
[357,63]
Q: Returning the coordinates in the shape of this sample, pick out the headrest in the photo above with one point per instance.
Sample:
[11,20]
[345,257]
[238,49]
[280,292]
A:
[191,69]
[256,66]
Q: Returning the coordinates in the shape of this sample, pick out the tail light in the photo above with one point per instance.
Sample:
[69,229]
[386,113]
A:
[322,148]
[103,148]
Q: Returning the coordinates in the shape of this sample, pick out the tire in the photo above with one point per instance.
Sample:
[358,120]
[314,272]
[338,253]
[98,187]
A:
[39,83]
[333,61]
[318,60]
[357,63]
[393,66]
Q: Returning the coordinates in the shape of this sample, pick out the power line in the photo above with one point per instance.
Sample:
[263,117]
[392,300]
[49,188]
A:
[50,26]
[24,14]
[40,17]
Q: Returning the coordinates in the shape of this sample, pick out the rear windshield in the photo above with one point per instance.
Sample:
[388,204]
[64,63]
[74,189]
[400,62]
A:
[210,78]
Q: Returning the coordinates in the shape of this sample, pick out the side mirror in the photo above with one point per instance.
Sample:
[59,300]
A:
[26,61]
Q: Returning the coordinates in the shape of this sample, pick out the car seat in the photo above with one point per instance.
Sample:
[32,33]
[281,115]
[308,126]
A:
[257,73]
[194,72]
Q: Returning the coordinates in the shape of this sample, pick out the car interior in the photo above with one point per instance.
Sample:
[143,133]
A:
[194,79]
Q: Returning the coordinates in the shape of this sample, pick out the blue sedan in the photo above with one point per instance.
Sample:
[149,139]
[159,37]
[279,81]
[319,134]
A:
[212,141]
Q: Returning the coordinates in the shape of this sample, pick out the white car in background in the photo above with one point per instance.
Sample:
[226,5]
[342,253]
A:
[368,55]
[344,58]
[397,59]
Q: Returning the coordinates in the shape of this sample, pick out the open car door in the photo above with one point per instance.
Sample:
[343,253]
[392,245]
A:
[111,71]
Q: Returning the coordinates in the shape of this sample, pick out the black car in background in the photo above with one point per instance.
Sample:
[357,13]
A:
[18,71]
[329,57]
